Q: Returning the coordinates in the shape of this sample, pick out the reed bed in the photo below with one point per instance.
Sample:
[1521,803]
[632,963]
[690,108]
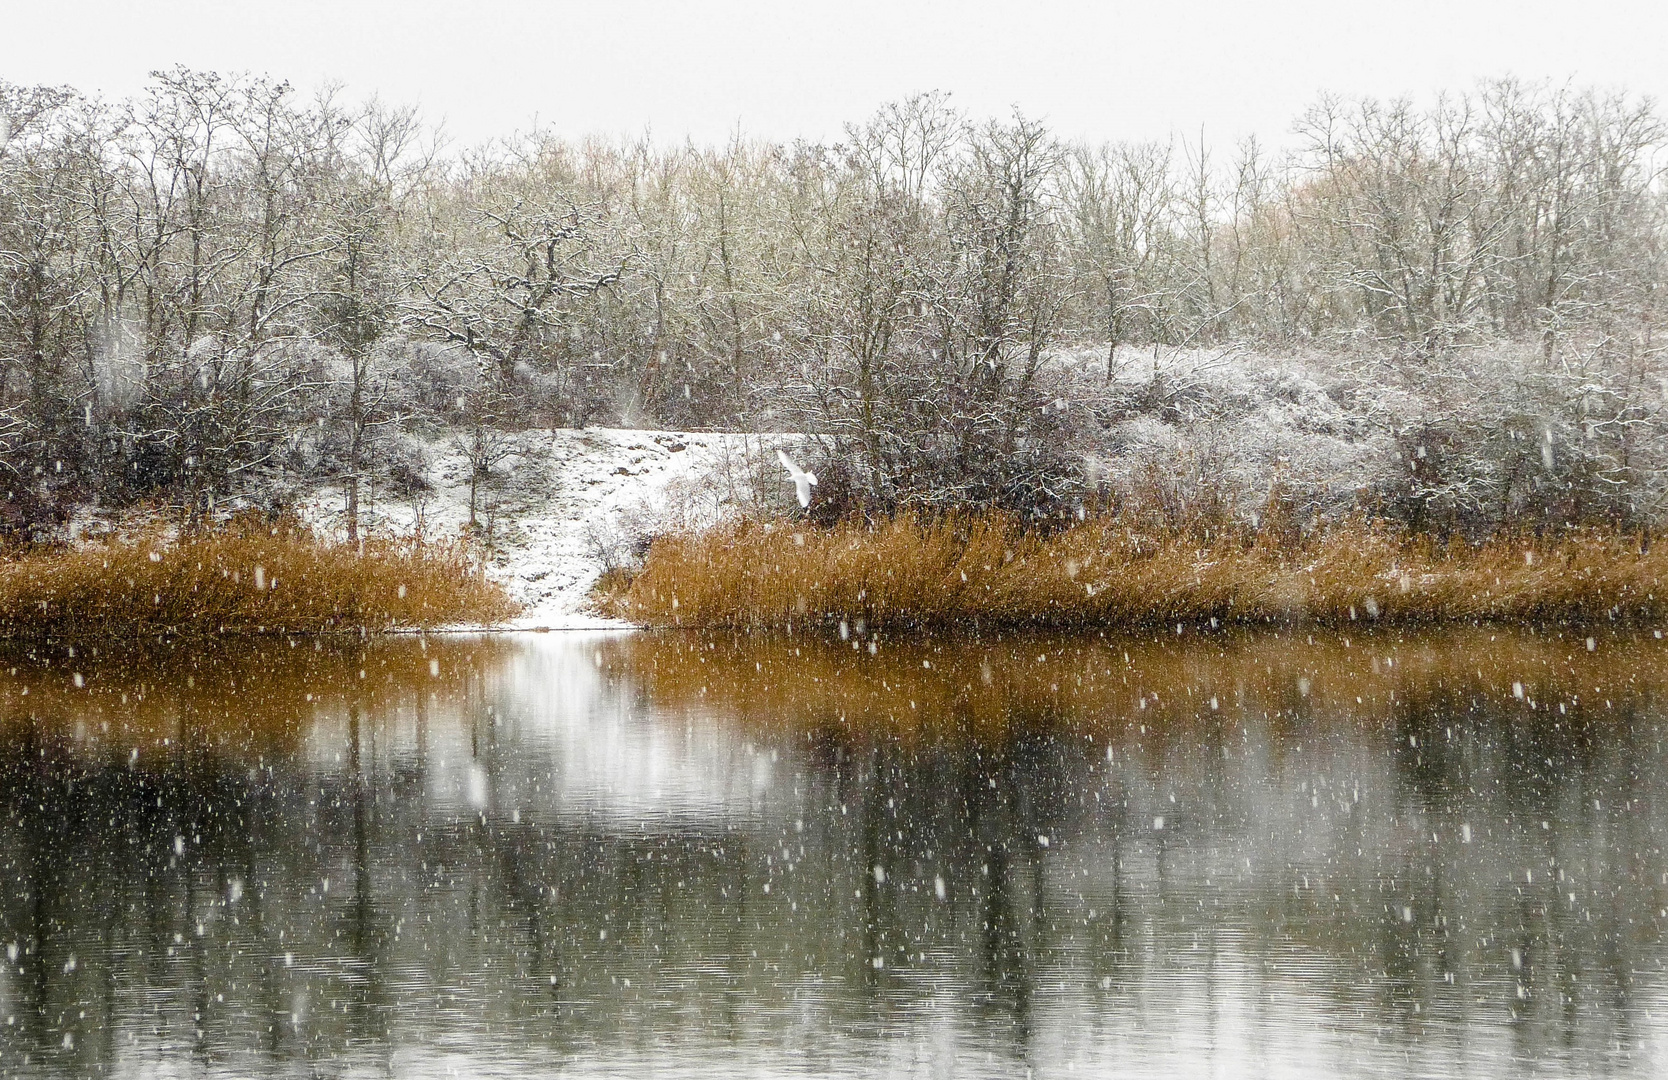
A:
[241,580]
[989,571]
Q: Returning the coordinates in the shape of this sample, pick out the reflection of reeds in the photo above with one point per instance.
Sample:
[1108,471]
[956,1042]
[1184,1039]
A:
[239,700]
[242,579]
[989,571]
[985,688]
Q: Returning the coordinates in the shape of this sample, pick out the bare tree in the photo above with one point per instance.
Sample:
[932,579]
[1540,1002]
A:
[380,160]
[1119,206]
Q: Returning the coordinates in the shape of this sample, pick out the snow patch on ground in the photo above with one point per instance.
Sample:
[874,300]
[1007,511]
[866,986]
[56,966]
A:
[571,501]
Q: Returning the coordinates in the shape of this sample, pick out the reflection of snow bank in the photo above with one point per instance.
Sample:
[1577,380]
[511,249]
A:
[586,747]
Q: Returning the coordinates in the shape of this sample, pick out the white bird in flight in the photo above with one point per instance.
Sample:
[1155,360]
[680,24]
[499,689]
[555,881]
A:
[802,480]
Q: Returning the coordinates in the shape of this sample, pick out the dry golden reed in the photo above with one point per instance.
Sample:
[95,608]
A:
[988,571]
[242,579]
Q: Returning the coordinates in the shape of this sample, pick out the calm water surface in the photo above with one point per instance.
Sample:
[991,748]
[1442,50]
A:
[1394,855]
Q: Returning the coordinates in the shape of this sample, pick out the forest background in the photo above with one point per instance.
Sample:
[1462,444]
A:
[224,294]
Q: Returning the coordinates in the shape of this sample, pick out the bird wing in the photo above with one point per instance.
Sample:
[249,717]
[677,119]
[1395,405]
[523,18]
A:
[787,462]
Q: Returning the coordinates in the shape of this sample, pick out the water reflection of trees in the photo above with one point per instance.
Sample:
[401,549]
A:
[392,867]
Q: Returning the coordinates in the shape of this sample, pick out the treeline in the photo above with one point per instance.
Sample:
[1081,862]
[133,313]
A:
[223,291]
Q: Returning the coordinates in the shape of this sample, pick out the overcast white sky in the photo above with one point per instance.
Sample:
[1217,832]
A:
[792,68]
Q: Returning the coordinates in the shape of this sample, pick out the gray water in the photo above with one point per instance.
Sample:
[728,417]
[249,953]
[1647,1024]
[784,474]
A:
[1235,855]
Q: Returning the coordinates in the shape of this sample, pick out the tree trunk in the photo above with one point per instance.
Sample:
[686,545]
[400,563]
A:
[353,504]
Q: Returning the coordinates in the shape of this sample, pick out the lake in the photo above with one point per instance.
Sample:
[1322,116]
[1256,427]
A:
[1201,854]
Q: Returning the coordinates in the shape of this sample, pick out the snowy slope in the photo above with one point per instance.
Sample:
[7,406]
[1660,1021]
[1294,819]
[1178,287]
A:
[1230,422]
[575,499]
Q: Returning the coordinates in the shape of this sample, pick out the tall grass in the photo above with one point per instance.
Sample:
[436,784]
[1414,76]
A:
[246,578]
[987,570]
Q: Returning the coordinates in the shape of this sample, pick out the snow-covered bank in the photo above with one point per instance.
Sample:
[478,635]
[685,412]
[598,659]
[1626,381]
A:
[1482,438]
[557,513]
